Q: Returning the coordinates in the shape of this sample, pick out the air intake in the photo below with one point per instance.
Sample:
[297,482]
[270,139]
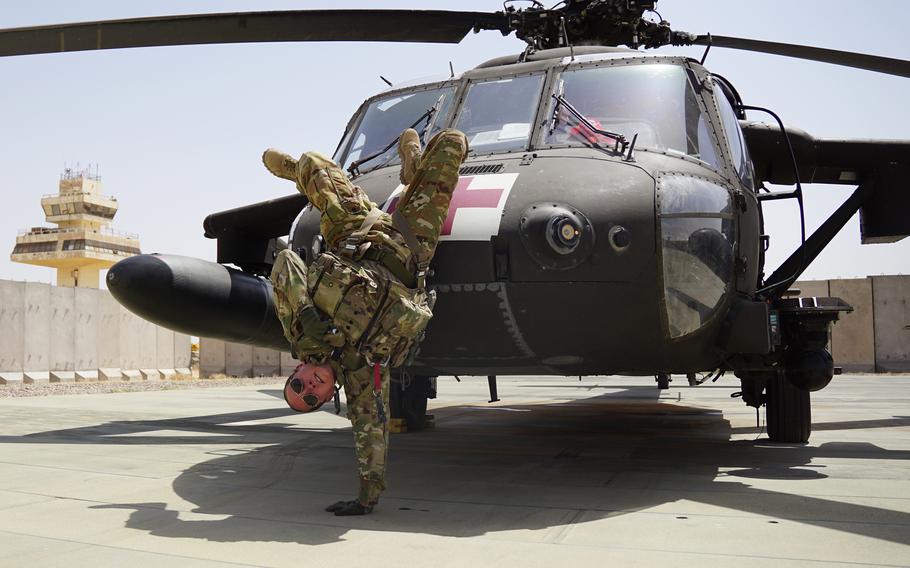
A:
[481,169]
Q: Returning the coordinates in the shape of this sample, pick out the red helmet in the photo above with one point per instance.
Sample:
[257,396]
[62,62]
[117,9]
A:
[309,387]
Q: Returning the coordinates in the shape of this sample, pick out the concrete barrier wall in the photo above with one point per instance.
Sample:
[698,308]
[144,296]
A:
[816,288]
[266,362]
[181,350]
[239,360]
[148,344]
[49,329]
[217,357]
[212,357]
[37,328]
[109,332]
[88,316]
[63,329]
[853,336]
[12,327]
[892,323]
[288,363]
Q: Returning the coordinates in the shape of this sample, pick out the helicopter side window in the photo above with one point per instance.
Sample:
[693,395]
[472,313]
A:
[655,101]
[497,115]
[697,239]
[739,152]
[385,118]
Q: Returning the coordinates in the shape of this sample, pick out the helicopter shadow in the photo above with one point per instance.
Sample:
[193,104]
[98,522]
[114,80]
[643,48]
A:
[485,470]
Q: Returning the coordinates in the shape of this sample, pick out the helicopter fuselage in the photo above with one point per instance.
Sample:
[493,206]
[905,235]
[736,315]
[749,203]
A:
[662,234]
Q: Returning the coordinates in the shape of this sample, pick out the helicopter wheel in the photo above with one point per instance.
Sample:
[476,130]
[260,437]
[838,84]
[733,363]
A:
[408,400]
[787,411]
[663,381]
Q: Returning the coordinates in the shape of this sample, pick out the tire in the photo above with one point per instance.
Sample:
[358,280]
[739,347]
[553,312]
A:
[663,381]
[788,411]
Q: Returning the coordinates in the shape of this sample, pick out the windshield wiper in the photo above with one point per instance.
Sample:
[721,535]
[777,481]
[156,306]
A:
[429,116]
[619,147]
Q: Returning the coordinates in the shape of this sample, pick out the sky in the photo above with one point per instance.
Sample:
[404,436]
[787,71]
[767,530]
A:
[178,131]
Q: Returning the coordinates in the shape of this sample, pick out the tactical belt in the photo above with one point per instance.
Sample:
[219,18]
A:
[354,244]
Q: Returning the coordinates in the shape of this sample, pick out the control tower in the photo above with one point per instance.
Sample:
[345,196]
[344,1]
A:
[83,242]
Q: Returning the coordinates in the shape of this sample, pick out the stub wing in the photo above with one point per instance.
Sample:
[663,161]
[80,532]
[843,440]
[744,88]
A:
[248,236]
[885,164]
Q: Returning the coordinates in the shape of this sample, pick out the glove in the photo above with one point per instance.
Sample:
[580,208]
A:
[311,324]
[349,508]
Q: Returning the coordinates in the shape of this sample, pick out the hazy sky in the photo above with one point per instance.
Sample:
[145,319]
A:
[178,131]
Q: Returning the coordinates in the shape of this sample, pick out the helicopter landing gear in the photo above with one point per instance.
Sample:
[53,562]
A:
[663,381]
[788,413]
[787,410]
[408,399]
[800,363]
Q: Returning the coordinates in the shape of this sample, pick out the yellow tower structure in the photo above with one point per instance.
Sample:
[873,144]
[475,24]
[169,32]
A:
[83,242]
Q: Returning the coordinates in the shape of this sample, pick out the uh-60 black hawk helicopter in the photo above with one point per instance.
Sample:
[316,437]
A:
[607,221]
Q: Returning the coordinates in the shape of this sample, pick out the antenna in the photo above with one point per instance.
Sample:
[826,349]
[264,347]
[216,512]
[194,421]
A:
[565,37]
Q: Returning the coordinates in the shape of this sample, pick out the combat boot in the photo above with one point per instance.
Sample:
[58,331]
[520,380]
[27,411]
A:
[409,152]
[280,164]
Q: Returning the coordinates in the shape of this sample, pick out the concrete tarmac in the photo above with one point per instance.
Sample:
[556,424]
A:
[604,471]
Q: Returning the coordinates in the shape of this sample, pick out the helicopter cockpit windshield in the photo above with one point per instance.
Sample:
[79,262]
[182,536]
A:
[497,115]
[655,101]
[385,118]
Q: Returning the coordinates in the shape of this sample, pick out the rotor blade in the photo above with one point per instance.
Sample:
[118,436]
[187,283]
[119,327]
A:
[887,65]
[434,26]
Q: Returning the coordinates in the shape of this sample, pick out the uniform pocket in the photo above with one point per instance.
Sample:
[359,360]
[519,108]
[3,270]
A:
[404,317]
[346,293]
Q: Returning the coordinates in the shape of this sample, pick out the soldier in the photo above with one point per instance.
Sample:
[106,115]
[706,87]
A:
[338,313]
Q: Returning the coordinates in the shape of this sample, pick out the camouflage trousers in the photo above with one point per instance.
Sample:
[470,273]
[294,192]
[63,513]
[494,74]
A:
[424,207]
[371,432]
[424,204]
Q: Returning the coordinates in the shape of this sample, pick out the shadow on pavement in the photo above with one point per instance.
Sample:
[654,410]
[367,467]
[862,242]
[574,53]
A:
[486,469]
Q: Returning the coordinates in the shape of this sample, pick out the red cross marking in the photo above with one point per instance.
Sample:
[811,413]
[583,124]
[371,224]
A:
[462,197]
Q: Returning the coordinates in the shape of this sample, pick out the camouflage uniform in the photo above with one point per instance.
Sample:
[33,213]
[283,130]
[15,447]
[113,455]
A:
[424,207]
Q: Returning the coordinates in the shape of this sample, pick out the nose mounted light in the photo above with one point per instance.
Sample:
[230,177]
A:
[556,235]
[563,234]
[620,238]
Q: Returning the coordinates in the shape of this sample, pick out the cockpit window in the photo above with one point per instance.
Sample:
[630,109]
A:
[655,101]
[739,152]
[498,115]
[385,118]
[697,236]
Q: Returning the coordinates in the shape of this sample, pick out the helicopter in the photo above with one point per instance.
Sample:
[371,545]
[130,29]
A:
[609,219]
